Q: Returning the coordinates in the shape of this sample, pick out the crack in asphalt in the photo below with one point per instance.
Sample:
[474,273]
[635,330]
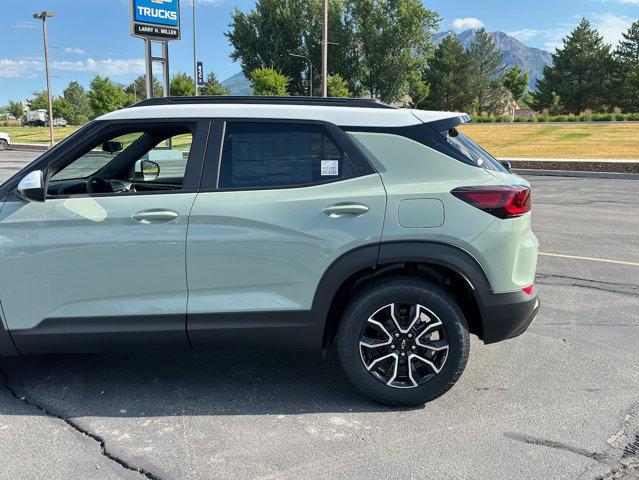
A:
[103,450]
[532,440]
[632,448]
[622,288]
[623,467]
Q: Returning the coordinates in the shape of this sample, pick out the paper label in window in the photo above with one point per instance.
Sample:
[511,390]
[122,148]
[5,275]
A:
[330,168]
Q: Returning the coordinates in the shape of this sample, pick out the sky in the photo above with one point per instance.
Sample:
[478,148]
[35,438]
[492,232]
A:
[93,36]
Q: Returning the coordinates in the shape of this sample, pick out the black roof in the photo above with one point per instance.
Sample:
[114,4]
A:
[259,100]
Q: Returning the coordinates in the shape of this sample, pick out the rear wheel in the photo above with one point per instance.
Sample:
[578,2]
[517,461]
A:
[3,144]
[403,341]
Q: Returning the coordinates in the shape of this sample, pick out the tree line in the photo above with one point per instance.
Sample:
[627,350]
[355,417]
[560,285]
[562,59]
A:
[78,105]
[381,49]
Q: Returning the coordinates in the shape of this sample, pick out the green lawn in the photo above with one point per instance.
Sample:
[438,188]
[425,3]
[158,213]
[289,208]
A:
[599,141]
[37,134]
[606,140]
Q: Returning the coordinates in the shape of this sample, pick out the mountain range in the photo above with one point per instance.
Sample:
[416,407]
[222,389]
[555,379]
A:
[531,60]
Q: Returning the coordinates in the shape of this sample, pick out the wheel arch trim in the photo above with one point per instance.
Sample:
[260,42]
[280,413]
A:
[396,252]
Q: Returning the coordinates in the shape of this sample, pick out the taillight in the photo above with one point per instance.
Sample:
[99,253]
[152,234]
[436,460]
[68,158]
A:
[500,201]
[528,290]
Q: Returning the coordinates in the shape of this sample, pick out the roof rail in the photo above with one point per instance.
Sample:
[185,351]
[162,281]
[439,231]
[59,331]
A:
[259,100]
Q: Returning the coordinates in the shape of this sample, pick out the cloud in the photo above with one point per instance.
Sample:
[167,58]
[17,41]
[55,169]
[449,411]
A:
[17,68]
[78,51]
[467,23]
[23,67]
[612,26]
[25,24]
[524,34]
[103,67]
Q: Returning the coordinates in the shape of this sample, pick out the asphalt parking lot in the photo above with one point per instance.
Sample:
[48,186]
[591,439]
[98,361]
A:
[560,402]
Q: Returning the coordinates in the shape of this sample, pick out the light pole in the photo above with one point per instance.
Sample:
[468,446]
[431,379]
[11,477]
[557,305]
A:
[197,88]
[325,51]
[43,16]
[310,71]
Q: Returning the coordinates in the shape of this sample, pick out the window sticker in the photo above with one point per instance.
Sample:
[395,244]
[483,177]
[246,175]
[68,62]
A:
[330,168]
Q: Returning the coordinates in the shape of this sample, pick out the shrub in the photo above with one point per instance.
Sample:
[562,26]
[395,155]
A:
[79,120]
[632,117]
[521,120]
[602,117]
[558,118]
[503,119]
[572,118]
[619,117]
[483,119]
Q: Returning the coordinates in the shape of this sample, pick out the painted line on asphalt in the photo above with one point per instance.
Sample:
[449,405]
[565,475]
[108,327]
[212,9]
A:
[590,259]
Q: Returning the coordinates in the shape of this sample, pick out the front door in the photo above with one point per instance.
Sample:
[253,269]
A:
[101,263]
[289,199]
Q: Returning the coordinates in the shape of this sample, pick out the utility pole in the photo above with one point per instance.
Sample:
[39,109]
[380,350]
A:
[197,88]
[325,51]
[43,16]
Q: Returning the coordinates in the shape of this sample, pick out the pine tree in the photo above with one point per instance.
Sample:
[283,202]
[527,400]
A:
[627,59]
[212,86]
[487,74]
[449,77]
[581,74]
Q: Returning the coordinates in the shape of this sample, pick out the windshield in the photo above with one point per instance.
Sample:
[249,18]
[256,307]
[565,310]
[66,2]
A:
[472,151]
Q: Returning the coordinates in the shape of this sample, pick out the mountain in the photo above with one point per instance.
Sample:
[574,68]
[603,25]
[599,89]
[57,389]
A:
[531,60]
[238,84]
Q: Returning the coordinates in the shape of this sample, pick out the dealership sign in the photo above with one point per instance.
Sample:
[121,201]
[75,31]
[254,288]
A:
[155,19]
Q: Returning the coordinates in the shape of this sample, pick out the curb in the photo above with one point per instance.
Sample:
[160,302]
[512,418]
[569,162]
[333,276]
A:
[28,147]
[570,173]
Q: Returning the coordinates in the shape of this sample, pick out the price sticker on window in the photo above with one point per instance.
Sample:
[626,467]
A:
[330,168]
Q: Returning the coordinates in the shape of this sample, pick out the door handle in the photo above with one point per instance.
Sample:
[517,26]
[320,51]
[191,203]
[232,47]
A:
[345,209]
[154,216]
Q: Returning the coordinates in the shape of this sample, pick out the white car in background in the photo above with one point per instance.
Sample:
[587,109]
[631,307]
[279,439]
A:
[5,140]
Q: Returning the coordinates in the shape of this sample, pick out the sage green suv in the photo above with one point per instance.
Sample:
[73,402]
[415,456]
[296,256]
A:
[218,222]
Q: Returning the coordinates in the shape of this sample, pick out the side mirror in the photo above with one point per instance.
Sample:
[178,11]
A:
[147,170]
[112,147]
[506,164]
[31,187]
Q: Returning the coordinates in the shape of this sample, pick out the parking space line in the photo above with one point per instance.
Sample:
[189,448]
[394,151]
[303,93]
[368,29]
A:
[590,259]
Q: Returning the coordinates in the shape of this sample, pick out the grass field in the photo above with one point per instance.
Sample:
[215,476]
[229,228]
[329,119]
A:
[615,140]
[605,141]
[37,134]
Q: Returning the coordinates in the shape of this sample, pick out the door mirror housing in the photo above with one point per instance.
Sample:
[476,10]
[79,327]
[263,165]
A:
[112,147]
[31,187]
[147,170]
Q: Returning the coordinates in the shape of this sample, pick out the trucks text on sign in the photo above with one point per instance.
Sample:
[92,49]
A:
[156,19]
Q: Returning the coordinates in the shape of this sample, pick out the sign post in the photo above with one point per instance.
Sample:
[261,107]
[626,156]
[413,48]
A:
[156,21]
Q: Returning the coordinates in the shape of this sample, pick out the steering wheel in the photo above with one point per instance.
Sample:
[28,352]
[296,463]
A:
[98,185]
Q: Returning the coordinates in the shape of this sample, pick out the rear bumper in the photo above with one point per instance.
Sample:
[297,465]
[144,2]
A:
[507,315]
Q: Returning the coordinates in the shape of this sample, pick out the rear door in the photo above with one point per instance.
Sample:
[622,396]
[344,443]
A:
[281,202]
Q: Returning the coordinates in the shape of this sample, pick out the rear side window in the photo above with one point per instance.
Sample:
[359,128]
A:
[472,150]
[270,155]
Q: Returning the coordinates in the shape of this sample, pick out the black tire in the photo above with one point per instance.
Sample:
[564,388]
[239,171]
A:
[397,291]
[3,144]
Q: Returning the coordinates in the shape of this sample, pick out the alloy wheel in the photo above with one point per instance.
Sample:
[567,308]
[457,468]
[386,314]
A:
[403,345]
